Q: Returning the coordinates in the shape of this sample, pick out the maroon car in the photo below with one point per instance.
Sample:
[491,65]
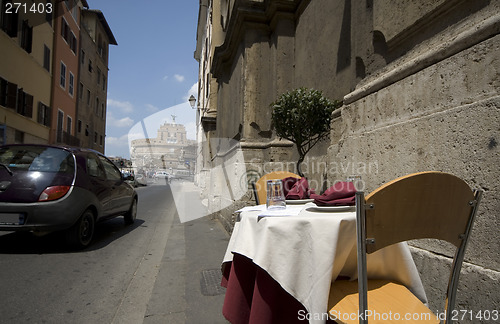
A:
[46,188]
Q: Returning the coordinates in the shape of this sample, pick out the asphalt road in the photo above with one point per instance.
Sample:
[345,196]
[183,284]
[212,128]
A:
[157,270]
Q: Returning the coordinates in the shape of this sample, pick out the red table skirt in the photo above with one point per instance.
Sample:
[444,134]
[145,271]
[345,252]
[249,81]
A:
[252,296]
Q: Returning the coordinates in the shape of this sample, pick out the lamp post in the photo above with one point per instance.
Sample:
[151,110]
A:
[192,101]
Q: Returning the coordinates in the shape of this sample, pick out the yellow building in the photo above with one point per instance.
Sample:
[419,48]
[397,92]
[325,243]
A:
[26,46]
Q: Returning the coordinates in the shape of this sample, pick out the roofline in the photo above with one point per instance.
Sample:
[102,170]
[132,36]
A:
[104,23]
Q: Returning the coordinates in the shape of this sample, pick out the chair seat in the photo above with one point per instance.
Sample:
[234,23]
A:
[388,302]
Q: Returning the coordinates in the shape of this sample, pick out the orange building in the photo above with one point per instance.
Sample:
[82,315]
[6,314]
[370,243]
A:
[65,71]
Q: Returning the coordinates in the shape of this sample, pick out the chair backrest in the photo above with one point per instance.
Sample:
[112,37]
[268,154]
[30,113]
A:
[420,205]
[260,186]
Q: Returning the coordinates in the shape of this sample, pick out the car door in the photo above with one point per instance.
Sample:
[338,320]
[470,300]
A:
[121,192]
[100,185]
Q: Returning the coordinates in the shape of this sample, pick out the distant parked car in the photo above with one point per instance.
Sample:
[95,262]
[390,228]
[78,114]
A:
[163,175]
[46,188]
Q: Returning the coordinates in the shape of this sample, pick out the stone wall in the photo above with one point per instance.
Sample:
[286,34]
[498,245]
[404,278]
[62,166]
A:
[437,108]
[420,84]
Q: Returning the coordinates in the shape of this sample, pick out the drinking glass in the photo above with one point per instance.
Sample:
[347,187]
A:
[275,195]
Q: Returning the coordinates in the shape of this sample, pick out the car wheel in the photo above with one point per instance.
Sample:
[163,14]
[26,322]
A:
[81,233]
[130,216]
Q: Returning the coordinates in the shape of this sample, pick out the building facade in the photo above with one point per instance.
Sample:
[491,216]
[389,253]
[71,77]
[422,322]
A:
[26,48]
[53,73]
[206,103]
[419,83]
[95,38]
[65,71]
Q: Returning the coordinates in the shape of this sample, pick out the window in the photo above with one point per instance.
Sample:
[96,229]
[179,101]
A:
[88,97]
[79,127]
[103,109]
[68,36]
[72,42]
[99,45]
[100,140]
[90,66]
[207,82]
[112,172]
[62,80]
[97,106]
[3,92]
[95,137]
[98,76]
[103,51]
[46,57]
[26,36]
[103,83]
[65,30]
[71,84]
[82,57]
[69,124]
[43,114]
[24,103]
[8,94]
[9,21]
[94,168]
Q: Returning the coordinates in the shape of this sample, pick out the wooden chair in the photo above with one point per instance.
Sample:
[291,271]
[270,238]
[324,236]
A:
[421,205]
[259,187]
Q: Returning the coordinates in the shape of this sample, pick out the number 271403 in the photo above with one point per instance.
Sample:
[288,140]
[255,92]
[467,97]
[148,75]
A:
[18,7]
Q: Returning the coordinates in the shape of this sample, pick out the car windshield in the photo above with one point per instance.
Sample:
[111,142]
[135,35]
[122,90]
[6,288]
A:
[37,158]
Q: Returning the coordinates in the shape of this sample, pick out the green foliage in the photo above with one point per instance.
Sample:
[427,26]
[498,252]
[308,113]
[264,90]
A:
[303,117]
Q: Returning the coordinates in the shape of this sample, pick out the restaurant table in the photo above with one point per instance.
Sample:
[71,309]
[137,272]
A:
[278,265]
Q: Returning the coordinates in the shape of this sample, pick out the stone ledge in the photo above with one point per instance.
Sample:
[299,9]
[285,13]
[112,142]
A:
[394,73]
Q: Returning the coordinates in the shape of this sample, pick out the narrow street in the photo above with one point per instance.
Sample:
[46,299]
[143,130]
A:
[158,270]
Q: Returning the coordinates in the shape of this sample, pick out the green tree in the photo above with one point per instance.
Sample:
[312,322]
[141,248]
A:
[303,116]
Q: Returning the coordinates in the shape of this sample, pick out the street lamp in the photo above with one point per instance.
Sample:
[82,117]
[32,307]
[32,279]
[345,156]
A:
[192,101]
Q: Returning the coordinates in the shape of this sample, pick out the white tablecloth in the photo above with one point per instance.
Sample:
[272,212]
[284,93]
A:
[304,252]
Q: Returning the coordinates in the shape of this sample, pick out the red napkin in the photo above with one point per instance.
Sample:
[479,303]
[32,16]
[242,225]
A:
[288,184]
[340,194]
[300,190]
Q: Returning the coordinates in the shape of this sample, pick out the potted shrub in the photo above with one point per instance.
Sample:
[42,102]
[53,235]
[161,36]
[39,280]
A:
[303,116]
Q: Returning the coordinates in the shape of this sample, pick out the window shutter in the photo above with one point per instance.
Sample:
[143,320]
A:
[48,114]
[68,34]
[28,110]
[11,95]
[75,44]
[41,113]
[20,101]
[3,92]
[11,24]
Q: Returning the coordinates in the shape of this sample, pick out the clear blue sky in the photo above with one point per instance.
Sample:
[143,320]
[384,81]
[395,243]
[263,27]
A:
[152,71]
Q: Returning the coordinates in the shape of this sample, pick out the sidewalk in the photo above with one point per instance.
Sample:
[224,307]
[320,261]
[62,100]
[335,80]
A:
[187,289]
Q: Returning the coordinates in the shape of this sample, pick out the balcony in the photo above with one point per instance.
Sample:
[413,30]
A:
[63,137]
